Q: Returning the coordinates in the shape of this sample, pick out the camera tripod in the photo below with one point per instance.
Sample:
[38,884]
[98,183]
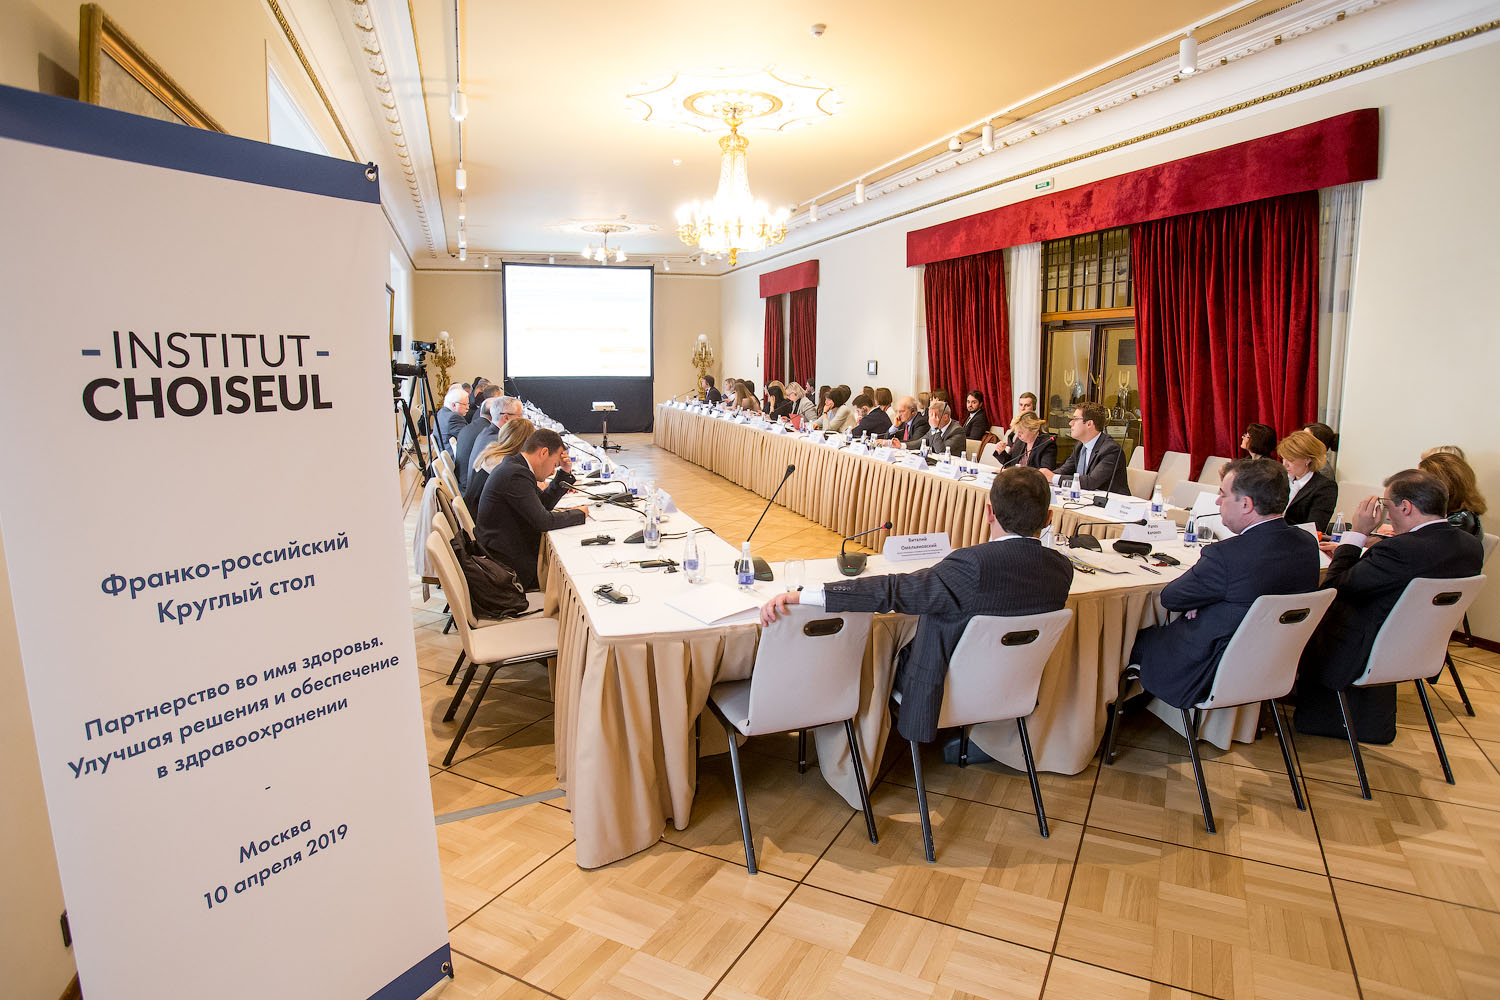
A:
[417,386]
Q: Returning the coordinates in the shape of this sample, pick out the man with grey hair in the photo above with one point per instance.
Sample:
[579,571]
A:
[1370,582]
[943,432]
[451,418]
[495,412]
[910,425]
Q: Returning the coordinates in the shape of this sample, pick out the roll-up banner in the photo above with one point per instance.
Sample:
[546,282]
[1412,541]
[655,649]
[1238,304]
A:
[202,527]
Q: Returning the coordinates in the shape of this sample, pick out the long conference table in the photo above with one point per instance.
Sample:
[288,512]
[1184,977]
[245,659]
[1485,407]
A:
[631,680]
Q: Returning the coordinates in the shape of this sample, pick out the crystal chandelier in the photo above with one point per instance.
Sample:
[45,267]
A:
[732,221]
[602,252]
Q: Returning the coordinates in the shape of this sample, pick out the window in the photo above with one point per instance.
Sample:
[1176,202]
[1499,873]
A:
[286,125]
[1088,334]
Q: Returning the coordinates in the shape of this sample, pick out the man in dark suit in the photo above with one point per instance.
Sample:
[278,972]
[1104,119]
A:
[1098,461]
[943,432]
[500,410]
[872,419]
[513,513]
[711,395]
[1012,574]
[1369,585]
[910,424]
[1266,555]
[450,419]
[482,422]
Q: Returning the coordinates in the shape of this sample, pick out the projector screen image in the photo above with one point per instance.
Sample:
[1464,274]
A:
[588,322]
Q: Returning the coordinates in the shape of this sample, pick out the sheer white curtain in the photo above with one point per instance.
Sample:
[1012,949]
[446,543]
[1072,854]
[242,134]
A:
[1338,243]
[918,334]
[1023,293]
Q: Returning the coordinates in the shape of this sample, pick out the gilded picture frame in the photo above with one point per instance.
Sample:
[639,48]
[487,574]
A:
[113,71]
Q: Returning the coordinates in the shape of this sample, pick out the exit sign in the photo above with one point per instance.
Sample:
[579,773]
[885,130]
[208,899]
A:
[1044,185]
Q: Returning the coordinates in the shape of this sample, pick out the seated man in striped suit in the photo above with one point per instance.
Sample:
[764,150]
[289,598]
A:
[1011,574]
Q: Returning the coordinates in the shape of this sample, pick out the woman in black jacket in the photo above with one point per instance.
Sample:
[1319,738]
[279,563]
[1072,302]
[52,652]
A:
[1033,445]
[780,405]
[1313,496]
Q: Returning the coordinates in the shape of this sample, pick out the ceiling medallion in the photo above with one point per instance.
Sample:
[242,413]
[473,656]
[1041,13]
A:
[772,100]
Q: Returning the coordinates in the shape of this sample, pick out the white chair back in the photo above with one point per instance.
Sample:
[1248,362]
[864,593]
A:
[996,669]
[1210,472]
[987,454]
[1174,469]
[1414,638]
[1489,546]
[1185,493]
[1141,480]
[1260,661]
[807,670]
[451,579]
[1137,459]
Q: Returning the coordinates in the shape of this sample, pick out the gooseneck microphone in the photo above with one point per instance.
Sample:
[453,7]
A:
[853,563]
[763,568]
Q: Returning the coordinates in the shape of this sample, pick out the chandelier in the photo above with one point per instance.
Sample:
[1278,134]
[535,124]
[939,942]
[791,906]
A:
[732,221]
[602,253]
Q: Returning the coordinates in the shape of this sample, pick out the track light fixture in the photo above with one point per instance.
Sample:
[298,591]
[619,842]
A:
[459,108]
[1187,55]
[987,138]
[812,212]
[859,192]
[461,178]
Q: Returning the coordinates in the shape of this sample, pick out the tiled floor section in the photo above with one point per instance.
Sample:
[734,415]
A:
[1129,897]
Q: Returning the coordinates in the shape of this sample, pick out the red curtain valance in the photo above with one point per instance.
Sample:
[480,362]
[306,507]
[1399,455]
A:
[1338,150]
[789,279]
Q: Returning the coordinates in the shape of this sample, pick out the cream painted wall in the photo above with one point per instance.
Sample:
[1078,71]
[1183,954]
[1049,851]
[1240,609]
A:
[468,305]
[1421,357]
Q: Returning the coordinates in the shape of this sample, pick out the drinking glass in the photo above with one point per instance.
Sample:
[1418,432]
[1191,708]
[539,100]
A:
[792,572]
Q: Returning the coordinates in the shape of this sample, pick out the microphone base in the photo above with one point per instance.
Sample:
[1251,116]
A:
[762,569]
[1082,540]
[852,563]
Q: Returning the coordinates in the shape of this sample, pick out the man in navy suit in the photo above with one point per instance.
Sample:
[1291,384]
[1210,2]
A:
[1098,461]
[1369,585]
[513,513]
[1011,574]
[1266,555]
[451,418]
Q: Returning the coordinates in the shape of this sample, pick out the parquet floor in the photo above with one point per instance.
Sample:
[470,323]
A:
[1129,897]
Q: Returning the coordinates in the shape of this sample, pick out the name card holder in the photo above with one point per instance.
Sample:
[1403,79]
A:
[909,548]
[915,461]
[948,470]
[884,453]
[1126,510]
[1151,531]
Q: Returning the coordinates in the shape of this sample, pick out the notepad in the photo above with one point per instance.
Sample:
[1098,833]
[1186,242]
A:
[714,602]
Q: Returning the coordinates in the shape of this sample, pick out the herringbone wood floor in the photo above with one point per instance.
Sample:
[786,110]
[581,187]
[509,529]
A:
[1129,897]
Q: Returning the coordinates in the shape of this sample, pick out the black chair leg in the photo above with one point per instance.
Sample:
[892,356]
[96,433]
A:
[1359,762]
[458,696]
[1462,694]
[448,627]
[1437,740]
[458,737]
[456,664]
[1190,724]
[1468,635]
[1112,728]
[1036,787]
[963,746]
[802,751]
[739,794]
[859,779]
[916,766]
[1286,753]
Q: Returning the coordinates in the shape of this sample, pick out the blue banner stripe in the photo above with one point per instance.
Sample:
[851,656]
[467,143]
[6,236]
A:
[418,979]
[86,128]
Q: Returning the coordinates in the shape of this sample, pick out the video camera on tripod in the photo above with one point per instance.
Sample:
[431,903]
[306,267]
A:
[407,381]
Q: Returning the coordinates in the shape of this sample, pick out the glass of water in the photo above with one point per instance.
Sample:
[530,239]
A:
[792,573]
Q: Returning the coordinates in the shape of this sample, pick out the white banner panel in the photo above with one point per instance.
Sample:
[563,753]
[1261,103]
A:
[203,533]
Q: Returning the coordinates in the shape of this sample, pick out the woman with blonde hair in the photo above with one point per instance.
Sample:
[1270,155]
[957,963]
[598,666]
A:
[1465,502]
[513,434]
[1446,449]
[802,404]
[1313,497]
[1033,446]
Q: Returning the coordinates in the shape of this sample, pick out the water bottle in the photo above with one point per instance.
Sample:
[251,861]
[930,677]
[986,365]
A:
[744,570]
[652,531]
[924,449]
[948,455]
[1158,506]
[633,484]
[1074,492]
[1190,533]
[1337,534]
[692,563]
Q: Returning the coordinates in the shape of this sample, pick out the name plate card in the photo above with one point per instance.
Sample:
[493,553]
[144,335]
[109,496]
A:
[915,461]
[1151,531]
[884,453]
[948,470]
[984,478]
[858,448]
[1126,510]
[778,428]
[909,548]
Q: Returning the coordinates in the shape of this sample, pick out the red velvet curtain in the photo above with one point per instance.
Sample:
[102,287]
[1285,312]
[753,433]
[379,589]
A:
[804,335]
[1227,325]
[968,332]
[772,347]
